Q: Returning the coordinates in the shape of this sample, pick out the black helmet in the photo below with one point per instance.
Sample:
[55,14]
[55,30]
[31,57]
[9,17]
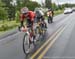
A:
[49,9]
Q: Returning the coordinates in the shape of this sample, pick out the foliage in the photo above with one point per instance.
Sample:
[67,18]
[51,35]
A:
[68,5]
[10,9]
[54,6]
[3,12]
[48,3]
[4,26]
[17,16]
[31,5]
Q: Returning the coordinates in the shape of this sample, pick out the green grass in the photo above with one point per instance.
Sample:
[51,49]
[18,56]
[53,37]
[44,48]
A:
[58,12]
[7,25]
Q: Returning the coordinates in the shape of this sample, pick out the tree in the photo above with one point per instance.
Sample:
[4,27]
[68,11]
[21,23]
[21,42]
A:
[48,3]
[54,6]
[7,3]
[67,5]
[10,8]
[32,5]
[21,3]
[3,12]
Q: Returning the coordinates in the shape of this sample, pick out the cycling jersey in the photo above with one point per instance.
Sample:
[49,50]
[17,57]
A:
[31,16]
[49,13]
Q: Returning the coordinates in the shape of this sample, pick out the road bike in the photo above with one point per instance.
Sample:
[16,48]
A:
[28,39]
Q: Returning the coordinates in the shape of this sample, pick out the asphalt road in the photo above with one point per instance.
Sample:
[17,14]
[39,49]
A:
[11,44]
[63,46]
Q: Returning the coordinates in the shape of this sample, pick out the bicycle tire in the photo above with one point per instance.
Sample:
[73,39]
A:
[37,33]
[26,41]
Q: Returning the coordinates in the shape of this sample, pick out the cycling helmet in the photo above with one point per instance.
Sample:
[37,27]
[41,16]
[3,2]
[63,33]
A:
[24,10]
[49,9]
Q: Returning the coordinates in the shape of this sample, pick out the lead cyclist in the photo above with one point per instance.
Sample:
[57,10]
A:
[29,16]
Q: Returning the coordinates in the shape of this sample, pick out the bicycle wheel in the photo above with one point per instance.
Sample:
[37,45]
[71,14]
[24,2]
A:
[43,32]
[37,34]
[43,29]
[26,44]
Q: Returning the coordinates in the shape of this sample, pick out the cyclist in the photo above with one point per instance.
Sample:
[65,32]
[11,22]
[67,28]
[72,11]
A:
[29,15]
[50,14]
[40,17]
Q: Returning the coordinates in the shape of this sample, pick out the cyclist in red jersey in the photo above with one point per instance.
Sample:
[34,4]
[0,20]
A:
[29,16]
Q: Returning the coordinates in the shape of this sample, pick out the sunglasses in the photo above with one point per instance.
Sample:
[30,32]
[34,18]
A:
[25,13]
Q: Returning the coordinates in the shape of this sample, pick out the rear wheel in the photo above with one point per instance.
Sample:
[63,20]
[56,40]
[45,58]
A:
[43,29]
[37,34]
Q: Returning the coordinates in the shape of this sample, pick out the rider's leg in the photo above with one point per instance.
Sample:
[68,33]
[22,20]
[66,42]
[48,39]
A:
[32,34]
[45,25]
[32,29]
[43,19]
[51,19]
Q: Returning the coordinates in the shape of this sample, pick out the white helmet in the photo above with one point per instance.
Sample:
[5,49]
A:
[24,10]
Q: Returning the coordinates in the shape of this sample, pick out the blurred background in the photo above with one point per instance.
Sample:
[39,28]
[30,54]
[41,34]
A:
[10,10]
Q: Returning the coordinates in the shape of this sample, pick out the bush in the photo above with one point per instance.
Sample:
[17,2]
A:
[6,27]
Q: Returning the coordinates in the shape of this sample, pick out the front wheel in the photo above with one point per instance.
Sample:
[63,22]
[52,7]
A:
[26,44]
